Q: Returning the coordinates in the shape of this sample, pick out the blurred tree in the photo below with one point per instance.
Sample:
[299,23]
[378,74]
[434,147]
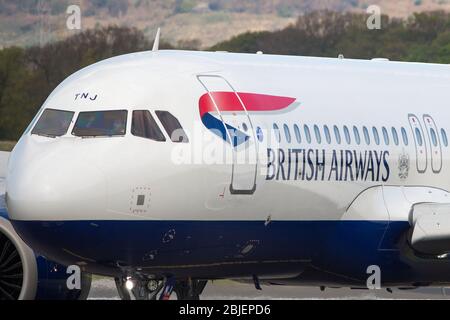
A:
[15,92]
[327,33]
[27,76]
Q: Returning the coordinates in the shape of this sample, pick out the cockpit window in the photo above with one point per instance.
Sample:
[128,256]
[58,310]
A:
[172,127]
[101,124]
[53,123]
[145,126]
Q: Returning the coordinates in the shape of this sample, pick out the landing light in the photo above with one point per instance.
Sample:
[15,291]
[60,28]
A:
[129,284]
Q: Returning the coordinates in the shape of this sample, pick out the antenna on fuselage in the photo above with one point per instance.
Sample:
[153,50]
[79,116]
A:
[156,43]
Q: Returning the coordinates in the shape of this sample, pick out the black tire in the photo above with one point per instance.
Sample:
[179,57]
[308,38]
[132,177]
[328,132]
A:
[120,285]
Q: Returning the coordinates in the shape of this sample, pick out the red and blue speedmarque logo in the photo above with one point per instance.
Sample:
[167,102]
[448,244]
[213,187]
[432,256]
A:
[212,104]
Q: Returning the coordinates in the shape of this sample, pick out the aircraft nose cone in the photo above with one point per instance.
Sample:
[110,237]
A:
[55,188]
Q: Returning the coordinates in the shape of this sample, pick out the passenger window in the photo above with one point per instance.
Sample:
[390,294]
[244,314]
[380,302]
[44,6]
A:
[434,138]
[144,126]
[366,135]
[347,135]
[444,137]
[357,136]
[386,136]
[318,136]
[337,135]
[395,136]
[307,134]
[376,136]
[405,136]
[101,124]
[172,126]
[297,134]
[287,133]
[53,123]
[327,134]
[277,133]
[419,137]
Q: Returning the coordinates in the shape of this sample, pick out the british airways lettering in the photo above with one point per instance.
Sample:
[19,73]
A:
[323,165]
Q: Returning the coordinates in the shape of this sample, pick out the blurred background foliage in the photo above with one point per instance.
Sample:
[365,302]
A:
[28,75]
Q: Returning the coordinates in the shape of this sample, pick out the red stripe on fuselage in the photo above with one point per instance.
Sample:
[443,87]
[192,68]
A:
[228,101]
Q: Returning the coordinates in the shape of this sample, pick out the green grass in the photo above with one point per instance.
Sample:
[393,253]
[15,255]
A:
[7,145]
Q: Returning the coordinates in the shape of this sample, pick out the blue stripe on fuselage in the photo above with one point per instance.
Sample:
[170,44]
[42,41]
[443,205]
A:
[341,247]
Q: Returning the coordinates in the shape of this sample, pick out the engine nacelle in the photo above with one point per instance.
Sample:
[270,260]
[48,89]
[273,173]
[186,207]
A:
[25,276]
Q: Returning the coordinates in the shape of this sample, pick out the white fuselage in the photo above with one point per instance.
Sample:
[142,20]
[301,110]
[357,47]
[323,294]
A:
[71,178]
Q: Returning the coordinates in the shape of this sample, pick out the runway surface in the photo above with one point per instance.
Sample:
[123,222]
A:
[104,289]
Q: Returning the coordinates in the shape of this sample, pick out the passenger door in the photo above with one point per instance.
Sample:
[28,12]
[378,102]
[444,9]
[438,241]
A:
[239,130]
[420,143]
[435,143]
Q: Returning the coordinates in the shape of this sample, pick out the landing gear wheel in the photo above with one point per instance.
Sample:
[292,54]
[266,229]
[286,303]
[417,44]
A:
[183,294]
[121,289]
[153,290]
[189,290]
[83,293]
[142,289]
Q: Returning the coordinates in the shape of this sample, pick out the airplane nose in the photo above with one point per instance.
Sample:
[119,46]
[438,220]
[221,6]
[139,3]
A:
[48,185]
[54,187]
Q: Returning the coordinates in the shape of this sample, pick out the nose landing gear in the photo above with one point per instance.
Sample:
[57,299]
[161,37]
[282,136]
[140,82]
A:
[130,288]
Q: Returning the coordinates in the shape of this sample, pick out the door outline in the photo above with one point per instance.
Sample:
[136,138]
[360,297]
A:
[414,123]
[232,189]
[431,124]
